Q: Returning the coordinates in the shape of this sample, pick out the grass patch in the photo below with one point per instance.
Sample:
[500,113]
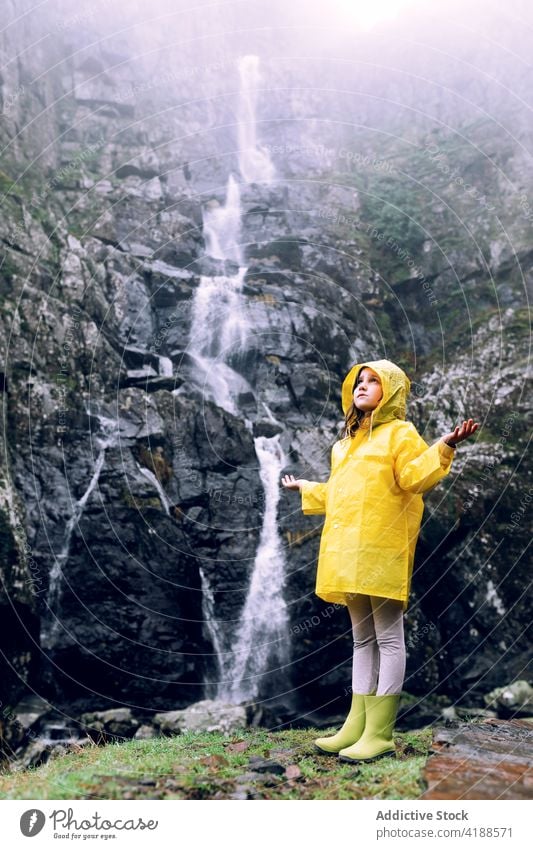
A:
[211,766]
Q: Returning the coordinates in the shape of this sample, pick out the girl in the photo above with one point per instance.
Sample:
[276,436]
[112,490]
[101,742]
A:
[373,507]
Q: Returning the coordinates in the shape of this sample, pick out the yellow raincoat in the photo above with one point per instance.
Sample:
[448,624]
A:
[373,499]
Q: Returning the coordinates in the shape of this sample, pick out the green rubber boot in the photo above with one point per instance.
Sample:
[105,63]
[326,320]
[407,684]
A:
[352,729]
[376,740]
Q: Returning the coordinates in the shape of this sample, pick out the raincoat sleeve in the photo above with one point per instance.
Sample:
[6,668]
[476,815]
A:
[418,467]
[313,497]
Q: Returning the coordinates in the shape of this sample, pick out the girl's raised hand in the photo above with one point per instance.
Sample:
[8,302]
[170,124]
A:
[461,432]
[290,482]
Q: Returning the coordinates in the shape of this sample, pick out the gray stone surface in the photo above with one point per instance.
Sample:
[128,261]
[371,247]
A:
[205,715]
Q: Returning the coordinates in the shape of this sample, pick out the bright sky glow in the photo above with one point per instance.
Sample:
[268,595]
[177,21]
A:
[367,13]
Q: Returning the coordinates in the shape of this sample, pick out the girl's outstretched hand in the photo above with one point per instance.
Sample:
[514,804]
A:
[290,482]
[461,432]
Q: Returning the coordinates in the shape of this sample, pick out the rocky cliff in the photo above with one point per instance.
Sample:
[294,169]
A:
[398,224]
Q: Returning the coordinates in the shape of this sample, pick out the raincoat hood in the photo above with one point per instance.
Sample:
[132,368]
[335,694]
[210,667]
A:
[394,383]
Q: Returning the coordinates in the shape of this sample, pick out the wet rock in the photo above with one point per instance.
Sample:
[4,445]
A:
[206,715]
[265,765]
[268,429]
[36,754]
[149,380]
[486,760]
[475,713]
[64,747]
[514,699]
[454,712]
[41,750]
[418,712]
[169,722]
[108,724]
[211,267]
[145,732]
[31,710]
[241,794]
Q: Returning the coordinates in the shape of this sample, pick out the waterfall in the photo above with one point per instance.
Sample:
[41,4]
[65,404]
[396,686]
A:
[220,328]
[262,632]
[166,368]
[220,323]
[254,162]
[222,226]
[218,318]
[154,480]
[50,622]
[261,635]
[215,631]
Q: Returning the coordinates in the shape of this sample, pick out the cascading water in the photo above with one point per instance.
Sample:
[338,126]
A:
[51,620]
[166,367]
[222,226]
[261,637]
[219,329]
[254,161]
[156,483]
[216,632]
[219,325]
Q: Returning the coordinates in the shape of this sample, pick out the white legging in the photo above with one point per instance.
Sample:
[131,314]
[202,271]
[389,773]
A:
[378,645]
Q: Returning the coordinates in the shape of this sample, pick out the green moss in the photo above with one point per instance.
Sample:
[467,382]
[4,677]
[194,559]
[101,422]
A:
[8,268]
[140,504]
[383,323]
[24,324]
[76,231]
[8,185]
[207,766]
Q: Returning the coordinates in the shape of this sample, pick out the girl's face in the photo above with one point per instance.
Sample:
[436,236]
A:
[367,391]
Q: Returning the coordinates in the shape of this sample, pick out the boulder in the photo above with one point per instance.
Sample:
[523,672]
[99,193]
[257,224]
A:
[206,715]
[145,732]
[109,724]
[30,710]
[514,699]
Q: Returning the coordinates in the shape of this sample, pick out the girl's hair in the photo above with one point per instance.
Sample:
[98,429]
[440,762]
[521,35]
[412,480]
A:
[352,421]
